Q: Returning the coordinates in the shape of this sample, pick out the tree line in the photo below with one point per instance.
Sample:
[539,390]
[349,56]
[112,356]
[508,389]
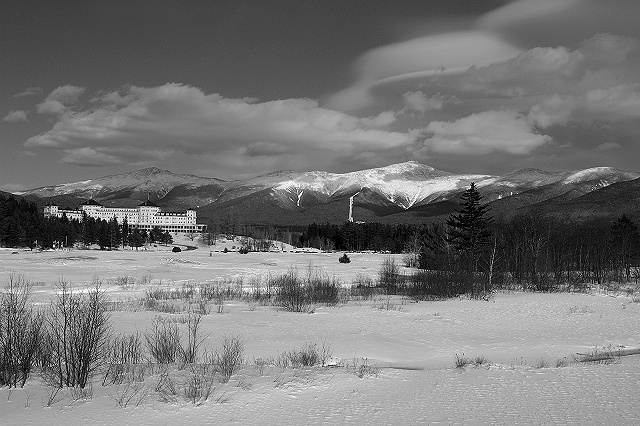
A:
[471,252]
[23,225]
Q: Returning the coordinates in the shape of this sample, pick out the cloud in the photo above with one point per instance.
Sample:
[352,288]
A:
[60,99]
[441,54]
[611,104]
[14,116]
[608,146]
[183,120]
[419,102]
[30,91]
[483,133]
[531,23]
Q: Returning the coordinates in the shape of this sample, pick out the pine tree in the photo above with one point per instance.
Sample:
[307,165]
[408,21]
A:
[468,228]
[625,244]
[125,232]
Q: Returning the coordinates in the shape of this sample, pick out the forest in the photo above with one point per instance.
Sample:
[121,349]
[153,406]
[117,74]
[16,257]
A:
[23,225]
[470,253]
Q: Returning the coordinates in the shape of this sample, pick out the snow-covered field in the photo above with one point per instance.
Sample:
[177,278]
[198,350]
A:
[524,336]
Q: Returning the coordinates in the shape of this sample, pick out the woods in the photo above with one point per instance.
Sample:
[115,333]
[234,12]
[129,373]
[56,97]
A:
[23,225]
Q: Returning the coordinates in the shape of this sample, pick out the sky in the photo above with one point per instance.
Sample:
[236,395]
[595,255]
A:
[234,89]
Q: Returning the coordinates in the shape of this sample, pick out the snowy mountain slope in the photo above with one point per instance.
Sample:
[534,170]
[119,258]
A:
[152,182]
[400,192]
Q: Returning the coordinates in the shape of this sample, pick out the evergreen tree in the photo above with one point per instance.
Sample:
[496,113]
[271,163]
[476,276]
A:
[167,238]
[136,239]
[125,232]
[155,235]
[625,242]
[115,235]
[468,229]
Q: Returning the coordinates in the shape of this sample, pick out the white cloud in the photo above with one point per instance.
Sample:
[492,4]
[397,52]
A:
[430,55]
[60,99]
[51,107]
[419,102]
[89,157]
[29,91]
[178,118]
[611,104]
[482,133]
[608,146]
[14,116]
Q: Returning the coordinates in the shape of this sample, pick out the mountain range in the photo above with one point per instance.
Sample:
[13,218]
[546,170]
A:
[400,193]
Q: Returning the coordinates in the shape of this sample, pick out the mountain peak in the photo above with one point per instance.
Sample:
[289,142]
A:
[412,170]
[150,171]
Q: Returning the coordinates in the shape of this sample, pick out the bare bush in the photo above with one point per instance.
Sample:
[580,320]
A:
[290,292]
[163,341]
[389,277]
[228,358]
[363,288]
[199,385]
[130,393]
[299,294]
[309,355]
[124,360]
[78,330]
[461,361]
[362,368]
[20,332]
[189,352]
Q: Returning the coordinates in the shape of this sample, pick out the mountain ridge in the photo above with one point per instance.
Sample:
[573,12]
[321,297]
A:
[402,192]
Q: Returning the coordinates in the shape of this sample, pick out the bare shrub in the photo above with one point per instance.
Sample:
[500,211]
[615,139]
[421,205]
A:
[54,395]
[309,355]
[228,358]
[124,360]
[299,294]
[189,352]
[321,288]
[480,360]
[542,363]
[259,365]
[199,385]
[362,368]
[130,393]
[290,292]
[126,349]
[78,330]
[389,277]
[461,361]
[363,288]
[20,332]
[166,387]
[163,341]
[429,285]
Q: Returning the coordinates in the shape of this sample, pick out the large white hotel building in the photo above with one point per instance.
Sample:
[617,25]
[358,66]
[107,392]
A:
[146,216]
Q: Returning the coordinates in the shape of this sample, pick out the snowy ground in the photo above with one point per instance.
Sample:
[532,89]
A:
[412,345]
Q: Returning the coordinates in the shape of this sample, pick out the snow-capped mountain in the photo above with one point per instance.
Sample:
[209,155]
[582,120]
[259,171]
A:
[401,192]
[150,183]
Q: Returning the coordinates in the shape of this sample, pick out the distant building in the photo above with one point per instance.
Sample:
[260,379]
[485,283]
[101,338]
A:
[146,216]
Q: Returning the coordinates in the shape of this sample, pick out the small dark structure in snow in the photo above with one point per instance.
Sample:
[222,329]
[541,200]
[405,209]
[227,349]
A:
[344,259]
[176,250]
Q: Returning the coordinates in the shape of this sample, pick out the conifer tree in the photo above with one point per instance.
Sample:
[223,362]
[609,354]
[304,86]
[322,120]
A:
[468,228]
[625,244]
